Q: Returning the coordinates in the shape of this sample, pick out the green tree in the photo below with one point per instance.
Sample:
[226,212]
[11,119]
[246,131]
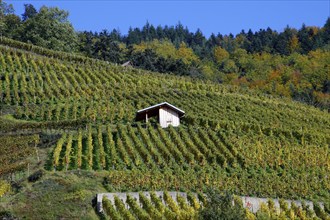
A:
[306,38]
[5,9]
[229,66]
[107,49]
[326,32]
[50,28]
[10,25]
[285,43]
[29,12]
[6,14]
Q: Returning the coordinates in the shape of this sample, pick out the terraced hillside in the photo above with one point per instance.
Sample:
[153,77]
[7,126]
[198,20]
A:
[82,113]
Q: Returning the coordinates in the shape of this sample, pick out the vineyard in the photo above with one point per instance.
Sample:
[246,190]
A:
[80,114]
[152,207]
[141,148]
[40,88]
[172,205]
[147,158]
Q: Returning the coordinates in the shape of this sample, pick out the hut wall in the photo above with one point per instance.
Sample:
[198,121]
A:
[168,117]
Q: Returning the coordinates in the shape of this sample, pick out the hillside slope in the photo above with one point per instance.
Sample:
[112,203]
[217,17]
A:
[83,112]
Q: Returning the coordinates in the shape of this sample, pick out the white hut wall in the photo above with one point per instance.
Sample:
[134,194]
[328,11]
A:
[168,117]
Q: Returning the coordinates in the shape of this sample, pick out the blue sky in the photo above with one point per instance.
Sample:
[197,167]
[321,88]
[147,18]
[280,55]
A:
[210,16]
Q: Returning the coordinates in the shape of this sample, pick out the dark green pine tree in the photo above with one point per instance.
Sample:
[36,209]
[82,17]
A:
[29,12]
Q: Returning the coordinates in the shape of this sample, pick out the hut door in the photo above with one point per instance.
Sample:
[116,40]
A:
[169,119]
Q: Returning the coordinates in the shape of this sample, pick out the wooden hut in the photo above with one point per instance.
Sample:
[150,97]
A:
[166,113]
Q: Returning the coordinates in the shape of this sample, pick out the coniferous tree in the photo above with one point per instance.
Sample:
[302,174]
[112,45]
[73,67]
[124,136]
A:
[29,12]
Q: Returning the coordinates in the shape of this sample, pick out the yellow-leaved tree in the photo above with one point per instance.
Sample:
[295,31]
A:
[220,54]
[187,54]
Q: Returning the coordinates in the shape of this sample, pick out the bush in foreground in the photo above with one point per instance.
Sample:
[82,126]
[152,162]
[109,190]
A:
[221,206]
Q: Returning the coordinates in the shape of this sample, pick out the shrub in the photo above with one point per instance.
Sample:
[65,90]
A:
[220,206]
[35,176]
[4,188]
[6,215]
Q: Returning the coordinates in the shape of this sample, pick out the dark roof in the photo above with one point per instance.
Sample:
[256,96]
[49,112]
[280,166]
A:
[153,111]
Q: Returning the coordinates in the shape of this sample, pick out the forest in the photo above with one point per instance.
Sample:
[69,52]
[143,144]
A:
[292,63]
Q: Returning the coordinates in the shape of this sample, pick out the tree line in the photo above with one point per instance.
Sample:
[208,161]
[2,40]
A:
[292,63]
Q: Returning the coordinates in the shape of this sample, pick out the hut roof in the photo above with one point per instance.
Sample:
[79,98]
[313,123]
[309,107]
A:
[128,63]
[153,111]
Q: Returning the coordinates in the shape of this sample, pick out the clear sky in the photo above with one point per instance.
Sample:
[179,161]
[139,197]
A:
[210,16]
